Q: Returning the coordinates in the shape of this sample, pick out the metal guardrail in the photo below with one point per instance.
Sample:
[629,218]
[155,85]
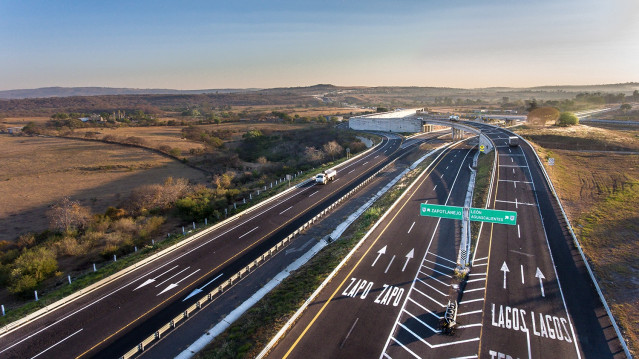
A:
[214,294]
[581,252]
[330,277]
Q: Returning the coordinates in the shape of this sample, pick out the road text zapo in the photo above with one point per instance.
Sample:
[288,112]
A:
[545,326]
[360,288]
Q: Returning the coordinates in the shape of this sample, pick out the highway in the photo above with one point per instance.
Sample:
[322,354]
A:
[398,278]
[539,301]
[528,294]
[153,293]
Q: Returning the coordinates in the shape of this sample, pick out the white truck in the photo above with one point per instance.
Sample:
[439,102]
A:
[513,141]
[325,176]
[454,118]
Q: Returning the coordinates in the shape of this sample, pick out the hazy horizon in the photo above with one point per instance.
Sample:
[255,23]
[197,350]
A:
[202,45]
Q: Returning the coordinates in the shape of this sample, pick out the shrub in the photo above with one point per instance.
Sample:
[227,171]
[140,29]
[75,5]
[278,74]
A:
[30,268]
[567,119]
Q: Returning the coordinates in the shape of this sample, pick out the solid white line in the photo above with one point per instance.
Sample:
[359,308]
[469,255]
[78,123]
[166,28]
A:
[433,278]
[474,290]
[444,258]
[481,259]
[426,295]
[411,227]
[424,324]
[468,357]
[471,301]
[406,348]
[424,308]
[469,325]
[518,232]
[442,273]
[169,278]
[473,312]
[286,209]
[431,287]
[44,351]
[476,274]
[441,265]
[481,264]
[389,263]
[311,195]
[248,232]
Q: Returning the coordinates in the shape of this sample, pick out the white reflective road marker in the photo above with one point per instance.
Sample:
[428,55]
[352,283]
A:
[409,255]
[151,280]
[379,254]
[173,285]
[199,290]
[504,268]
[540,275]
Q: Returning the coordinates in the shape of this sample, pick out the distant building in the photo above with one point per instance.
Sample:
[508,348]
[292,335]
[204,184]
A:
[14,130]
[92,118]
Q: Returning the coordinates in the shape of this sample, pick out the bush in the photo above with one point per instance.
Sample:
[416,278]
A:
[30,268]
[567,119]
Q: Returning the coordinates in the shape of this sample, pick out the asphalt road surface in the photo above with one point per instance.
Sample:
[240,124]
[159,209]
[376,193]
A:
[89,324]
[528,294]
[398,278]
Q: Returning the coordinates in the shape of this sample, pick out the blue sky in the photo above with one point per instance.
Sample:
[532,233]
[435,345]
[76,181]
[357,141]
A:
[239,44]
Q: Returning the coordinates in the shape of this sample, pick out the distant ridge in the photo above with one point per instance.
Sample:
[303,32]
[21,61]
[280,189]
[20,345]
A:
[44,92]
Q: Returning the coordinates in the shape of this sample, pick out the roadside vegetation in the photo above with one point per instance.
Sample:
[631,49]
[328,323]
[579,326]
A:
[600,192]
[248,335]
[243,161]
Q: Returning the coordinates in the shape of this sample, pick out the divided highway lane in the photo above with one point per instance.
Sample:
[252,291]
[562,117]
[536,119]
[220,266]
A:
[91,322]
[394,283]
[537,304]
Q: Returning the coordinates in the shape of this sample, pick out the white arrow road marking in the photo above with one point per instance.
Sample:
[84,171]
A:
[151,280]
[379,254]
[409,255]
[173,285]
[199,290]
[540,275]
[504,268]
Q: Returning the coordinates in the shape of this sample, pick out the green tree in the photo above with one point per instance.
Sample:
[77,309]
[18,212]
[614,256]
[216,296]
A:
[625,107]
[567,119]
[32,267]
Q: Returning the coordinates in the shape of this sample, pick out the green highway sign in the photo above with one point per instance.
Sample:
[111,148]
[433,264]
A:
[436,210]
[493,216]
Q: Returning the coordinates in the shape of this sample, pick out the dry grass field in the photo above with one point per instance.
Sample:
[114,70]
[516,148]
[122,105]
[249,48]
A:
[600,191]
[38,171]
[154,136]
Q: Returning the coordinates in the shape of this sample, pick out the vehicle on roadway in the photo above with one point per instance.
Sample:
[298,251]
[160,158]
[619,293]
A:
[513,141]
[454,118]
[325,176]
